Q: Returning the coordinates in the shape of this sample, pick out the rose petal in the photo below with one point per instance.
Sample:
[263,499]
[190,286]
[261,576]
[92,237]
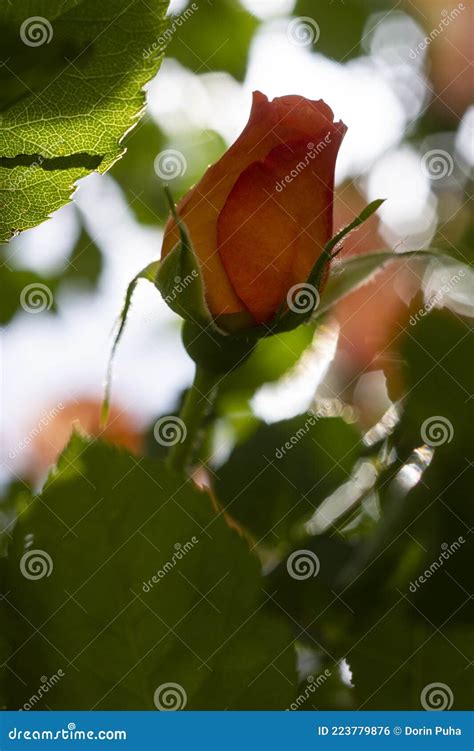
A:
[277,219]
[270,124]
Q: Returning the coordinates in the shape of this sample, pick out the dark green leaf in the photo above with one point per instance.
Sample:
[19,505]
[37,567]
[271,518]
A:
[280,476]
[306,588]
[15,495]
[396,660]
[437,351]
[105,525]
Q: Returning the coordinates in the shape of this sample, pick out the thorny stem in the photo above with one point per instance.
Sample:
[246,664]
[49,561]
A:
[197,405]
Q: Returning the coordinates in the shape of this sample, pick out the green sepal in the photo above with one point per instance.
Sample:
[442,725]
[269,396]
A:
[365,214]
[287,319]
[149,273]
[179,278]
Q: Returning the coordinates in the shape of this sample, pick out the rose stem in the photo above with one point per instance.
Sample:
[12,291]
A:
[197,404]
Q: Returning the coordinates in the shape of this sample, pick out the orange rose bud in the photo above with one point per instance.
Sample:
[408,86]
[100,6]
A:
[261,216]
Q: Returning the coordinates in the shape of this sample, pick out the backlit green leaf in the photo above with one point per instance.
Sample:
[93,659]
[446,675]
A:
[72,88]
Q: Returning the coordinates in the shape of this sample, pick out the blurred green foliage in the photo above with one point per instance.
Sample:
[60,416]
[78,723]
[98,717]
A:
[340,24]
[213,35]
[13,283]
[280,475]
[142,174]
[81,270]
[368,594]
